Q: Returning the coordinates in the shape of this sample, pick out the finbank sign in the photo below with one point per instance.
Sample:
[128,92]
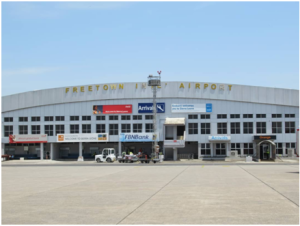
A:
[164,85]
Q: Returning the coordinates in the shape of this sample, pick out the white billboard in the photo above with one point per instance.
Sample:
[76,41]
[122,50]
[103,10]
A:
[85,137]
[28,138]
[191,108]
[138,137]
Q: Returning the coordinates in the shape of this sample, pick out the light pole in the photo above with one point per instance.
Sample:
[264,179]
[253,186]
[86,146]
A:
[154,81]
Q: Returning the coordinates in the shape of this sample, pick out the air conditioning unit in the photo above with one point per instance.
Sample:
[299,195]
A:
[233,154]
[291,152]
[26,148]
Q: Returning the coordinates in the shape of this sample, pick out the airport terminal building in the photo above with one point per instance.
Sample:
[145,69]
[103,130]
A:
[194,120]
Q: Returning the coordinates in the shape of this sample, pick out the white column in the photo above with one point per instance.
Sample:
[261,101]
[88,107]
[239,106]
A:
[228,149]
[120,148]
[211,149]
[51,151]
[2,148]
[199,150]
[80,148]
[174,154]
[42,151]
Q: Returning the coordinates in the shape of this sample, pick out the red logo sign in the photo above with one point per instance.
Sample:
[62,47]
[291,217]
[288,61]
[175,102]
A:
[112,109]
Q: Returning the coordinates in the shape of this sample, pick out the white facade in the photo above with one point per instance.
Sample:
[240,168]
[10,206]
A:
[225,99]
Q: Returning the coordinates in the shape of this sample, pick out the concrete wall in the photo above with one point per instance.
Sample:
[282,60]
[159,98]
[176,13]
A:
[249,94]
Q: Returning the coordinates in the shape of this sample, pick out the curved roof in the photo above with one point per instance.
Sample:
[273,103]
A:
[190,90]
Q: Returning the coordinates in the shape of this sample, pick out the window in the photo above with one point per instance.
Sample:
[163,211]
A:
[86,128]
[193,128]
[59,129]
[137,117]
[149,128]
[49,130]
[261,115]
[113,129]
[289,145]
[222,128]
[35,129]
[248,148]
[247,116]
[125,117]
[193,116]
[236,147]
[220,149]
[205,116]
[205,149]
[276,127]
[276,115]
[205,128]
[74,128]
[86,118]
[100,128]
[74,118]
[23,129]
[234,116]
[248,127]
[23,119]
[8,130]
[125,128]
[235,128]
[289,115]
[100,117]
[279,149]
[137,128]
[221,116]
[59,118]
[148,117]
[289,127]
[48,118]
[113,117]
[261,127]
[8,119]
[35,119]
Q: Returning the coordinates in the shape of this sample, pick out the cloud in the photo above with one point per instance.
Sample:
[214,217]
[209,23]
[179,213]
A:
[29,71]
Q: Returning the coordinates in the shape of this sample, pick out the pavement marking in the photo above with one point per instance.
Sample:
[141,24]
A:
[269,186]
[225,166]
[153,195]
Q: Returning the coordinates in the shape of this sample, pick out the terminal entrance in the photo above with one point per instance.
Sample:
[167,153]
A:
[265,151]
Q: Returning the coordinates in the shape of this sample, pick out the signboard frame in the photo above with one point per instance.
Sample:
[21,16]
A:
[191,108]
[150,105]
[138,137]
[82,137]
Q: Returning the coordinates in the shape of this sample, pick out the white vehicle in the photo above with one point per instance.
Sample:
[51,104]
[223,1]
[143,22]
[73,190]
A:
[108,155]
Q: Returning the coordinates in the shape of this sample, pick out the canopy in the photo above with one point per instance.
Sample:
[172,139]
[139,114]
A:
[175,121]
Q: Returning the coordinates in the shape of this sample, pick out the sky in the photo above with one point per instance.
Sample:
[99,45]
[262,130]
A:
[56,44]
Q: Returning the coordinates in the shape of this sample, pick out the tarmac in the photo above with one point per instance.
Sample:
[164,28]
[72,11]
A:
[165,193]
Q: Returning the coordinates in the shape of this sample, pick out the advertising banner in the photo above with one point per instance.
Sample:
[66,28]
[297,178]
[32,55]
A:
[85,137]
[138,137]
[191,108]
[219,138]
[33,138]
[112,109]
[148,108]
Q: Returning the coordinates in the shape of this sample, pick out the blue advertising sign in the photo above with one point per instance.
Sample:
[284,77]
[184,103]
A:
[148,108]
[208,107]
[138,137]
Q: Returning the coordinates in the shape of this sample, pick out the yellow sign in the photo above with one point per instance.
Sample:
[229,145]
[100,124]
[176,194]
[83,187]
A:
[144,86]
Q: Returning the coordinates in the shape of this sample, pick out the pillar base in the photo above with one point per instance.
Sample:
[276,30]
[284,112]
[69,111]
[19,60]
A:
[80,159]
